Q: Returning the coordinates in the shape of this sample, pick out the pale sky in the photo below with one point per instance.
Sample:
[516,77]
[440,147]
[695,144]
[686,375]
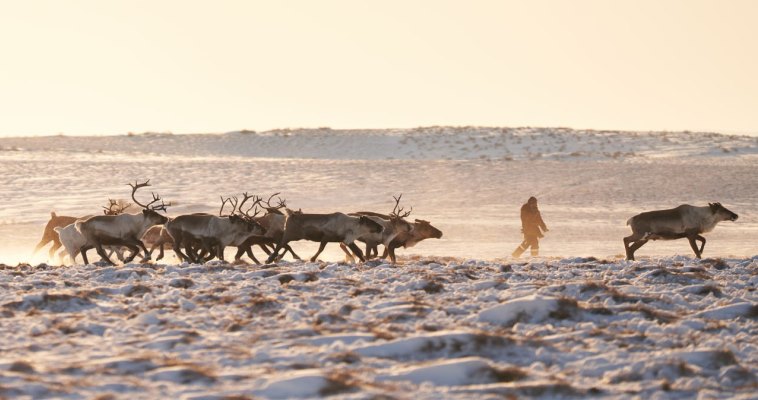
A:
[111,67]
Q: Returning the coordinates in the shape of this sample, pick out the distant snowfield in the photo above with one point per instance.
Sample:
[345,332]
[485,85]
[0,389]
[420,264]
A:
[456,318]
[434,327]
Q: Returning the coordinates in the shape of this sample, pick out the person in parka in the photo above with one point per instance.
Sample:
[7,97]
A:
[533,228]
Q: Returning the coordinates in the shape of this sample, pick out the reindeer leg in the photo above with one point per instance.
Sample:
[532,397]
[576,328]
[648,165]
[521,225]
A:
[178,251]
[702,246]
[385,253]
[265,248]
[357,250]
[83,250]
[391,250]
[56,245]
[40,245]
[101,253]
[288,248]
[634,247]
[348,255]
[693,244]
[250,254]
[627,240]
[275,253]
[320,249]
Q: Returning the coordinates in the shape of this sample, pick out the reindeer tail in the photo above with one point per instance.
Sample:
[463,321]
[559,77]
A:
[52,214]
[78,225]
[629,221]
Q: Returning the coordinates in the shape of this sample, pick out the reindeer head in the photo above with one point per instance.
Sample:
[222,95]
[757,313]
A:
[150,210]
[426,229]
[721,213]
[243,218]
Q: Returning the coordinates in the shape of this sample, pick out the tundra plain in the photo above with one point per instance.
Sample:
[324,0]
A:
[456,318]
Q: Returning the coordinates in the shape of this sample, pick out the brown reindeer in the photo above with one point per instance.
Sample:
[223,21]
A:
[394,224]
[213,233]
[124,229]
[114,207]
[325,228]
[50,235]
[685,221]
[273,223]
[421,230]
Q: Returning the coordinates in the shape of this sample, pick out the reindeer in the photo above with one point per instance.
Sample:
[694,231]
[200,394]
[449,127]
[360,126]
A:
[72,240]
[213,233]
[325,228]
[124,229]
[685,221]
[421,230]
[273,223]
[393,224]
[50,234]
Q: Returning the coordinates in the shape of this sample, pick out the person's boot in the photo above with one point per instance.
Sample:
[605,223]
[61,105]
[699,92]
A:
[519,250]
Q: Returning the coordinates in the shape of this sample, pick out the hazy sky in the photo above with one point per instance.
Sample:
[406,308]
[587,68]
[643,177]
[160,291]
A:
[110,67]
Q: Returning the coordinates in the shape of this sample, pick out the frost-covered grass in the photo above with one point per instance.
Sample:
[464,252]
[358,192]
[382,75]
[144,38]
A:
[434,327]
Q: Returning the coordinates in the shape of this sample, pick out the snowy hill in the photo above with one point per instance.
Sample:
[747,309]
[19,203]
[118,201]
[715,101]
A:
[432,143]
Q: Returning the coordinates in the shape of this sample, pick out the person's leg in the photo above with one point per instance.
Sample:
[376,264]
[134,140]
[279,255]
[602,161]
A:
[520,249]
[534,243]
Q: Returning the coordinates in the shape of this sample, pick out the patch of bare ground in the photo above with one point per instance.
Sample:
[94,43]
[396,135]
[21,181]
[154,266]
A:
[508,374]
[52,302]
[22,366]
[345,357]
[661,316]
[182,283]
[615,294]
[716,263]
[258,303]
[365,292]
[339,382]
[136,290]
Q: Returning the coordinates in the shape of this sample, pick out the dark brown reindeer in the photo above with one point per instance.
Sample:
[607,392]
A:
[685,221]
[394,224]
[213,233]
[122,230]
[325,228]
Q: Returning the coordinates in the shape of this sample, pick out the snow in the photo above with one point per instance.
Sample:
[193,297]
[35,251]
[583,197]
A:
[551,327]
[456,318]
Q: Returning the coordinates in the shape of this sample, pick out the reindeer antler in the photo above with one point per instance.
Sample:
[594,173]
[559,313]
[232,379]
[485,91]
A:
[396,212]
[276,208]
[120,207]
[231,200]
[156,198]
[256,201]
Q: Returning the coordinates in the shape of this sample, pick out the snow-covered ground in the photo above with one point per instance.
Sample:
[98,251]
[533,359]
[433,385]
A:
[435,327]
[457,318]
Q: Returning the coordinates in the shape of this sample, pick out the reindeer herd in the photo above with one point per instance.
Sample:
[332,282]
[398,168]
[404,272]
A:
[201,237]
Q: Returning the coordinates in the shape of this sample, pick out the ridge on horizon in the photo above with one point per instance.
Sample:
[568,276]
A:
[390,129]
